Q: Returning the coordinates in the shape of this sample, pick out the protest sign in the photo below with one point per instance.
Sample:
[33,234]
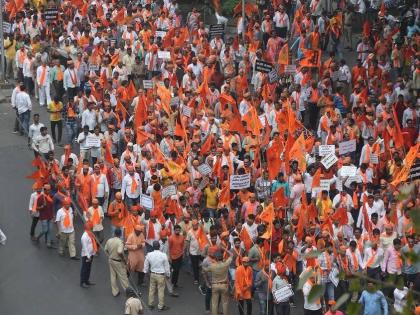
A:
[146,201]
[347,147]
[329,160]
[240,181]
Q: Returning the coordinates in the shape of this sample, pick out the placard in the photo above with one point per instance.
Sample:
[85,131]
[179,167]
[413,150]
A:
[273,76]
[93,67]
[204,169]
[263,66]
[51,14]
[204,182]
[146,202]
[186,111]
[283,294]
[216,29]
[7,27]
[329,160]
[415,171]
[240,181]
[290,69]
[347,147]
[324,184]
[147,84]
[324,150]
[348,170]
[93,142]
[333,276]
[163,54]
[374,159]
[168,191]
[160,34]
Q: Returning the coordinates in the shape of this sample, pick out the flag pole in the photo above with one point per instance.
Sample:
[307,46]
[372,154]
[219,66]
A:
[2,63]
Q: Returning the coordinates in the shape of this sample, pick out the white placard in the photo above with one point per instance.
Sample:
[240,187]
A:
[333,276]
[204,169]
[240,181]
[93,142]
[186,111]
[168,191]
[147,84]
[374,159]
[165,55]
[290,69]
[324,184]
[329,160]
[146,201]
[160,34]
[93,67]
[324,150]
[348,170]
[283,293]
[355,178]
[347,147]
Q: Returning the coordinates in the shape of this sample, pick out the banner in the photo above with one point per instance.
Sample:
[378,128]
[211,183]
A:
[348,170]
[329,160]
[263,66]
[240,181]
[204,169]
[347,147]
[324,150]
[93,142]
[168,191]
[146,202]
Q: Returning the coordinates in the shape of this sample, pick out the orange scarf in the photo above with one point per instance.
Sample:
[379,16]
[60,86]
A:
[95,183]
[133,184]
[73,77]
[355,200]
[151,231]
[35,205]
[67,219]
[269,280]
[43,75]
[96,218]
[355,261]
[59,74]
[92,239]
[372,259]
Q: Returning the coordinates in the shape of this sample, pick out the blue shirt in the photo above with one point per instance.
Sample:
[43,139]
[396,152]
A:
[276,185]
[373,303]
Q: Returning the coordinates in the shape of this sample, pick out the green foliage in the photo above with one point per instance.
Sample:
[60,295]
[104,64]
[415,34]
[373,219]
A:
[227,7]
[341,300]
[317,292]
[354,308]
[303,278]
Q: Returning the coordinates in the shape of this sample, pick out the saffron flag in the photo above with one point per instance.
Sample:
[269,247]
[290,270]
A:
[311,58]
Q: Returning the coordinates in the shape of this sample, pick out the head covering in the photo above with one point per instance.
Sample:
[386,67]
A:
[138,227]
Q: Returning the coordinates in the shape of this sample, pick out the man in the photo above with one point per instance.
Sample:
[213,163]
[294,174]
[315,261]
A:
[219,283]
[70,80]
[411,270]
[243,286]
[100,187]
[46,215]
[43,79]
[55,109]
[43,144]
[133,304]
[176,250]
[65,227]
[192,249]
[157,263]
[314,307]
[131,187]
[28,73]
[95,215]
[114,248]
[34,129]
[23,107]
[89,249]
[36,203]
[392,262]
[373,301]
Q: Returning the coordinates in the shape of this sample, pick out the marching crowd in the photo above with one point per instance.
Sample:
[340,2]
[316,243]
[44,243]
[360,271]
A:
[265,184]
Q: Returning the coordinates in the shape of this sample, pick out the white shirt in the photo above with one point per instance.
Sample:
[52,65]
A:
[379,255]
[67,80]
[89,118]
[103,186]
[47,75]
[27,65]
[281,19]
[32,199]
[43,144]
[87,247]
[35,130]
[156,226]
[96,227]
[71,156]
[126,186]
[60,219]
[81,139]
[157,262]
[369,210]
[23,102]
[252,230]
[306,305]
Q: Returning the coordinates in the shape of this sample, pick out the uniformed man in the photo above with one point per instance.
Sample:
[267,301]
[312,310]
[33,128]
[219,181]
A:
[219,283]
[133,304]
[114,248]
[158,264]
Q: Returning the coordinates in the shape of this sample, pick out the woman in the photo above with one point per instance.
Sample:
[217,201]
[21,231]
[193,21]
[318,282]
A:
[135,245]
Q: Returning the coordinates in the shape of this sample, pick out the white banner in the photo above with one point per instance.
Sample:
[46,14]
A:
[347,147]
[186,111]
[324,184]
[374,159]
[168,191]
[204,169]
[165,55]
[93,142]
[146,201]
[348,170]
[324,150]
[329,160]
[147,84]
[240,181]
[283,293]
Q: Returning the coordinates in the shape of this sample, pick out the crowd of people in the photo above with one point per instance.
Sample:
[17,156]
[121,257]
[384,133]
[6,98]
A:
[271,161]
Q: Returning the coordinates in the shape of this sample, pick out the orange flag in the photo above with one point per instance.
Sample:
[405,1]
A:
[108,155]
[267,215]
[165,97]
[397,136]
[309,143]
[300,227]
[115,59]
[99,11]
[244,237]
[224,198]
[279,199]
[120,17]
[84,9]
[235,125]
[316,180]
[408,162]
[311,59]
[203,89]
[297,152]
[140,114]
[121,108]
[179,127]
[143,136]
[131,90]
[267,133]
[283,58]
[253,122]
[202,238]
[273,158]
[340,215]
[206,146]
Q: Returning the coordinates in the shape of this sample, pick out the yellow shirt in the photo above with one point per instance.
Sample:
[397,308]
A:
[211,197]
[55,111]
[10,52]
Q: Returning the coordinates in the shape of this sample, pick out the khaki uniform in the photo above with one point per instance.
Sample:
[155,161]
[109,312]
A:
[114,248]
[67,239]
[157,282]
[133,306]
[219,285]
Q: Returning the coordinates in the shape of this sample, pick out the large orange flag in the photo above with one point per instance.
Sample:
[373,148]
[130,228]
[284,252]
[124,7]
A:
[202,238]
[253,122]
[165,97]
[206,146]
[179,127]
[131,90]
[408,162]
[143,136]
[244,237]
[141,112]
[279,199]
[297,152]
[311,59]
[397,135]
[224,197]
[235,125]
[283,58]
[316,180]
[108,155]
[273,158]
